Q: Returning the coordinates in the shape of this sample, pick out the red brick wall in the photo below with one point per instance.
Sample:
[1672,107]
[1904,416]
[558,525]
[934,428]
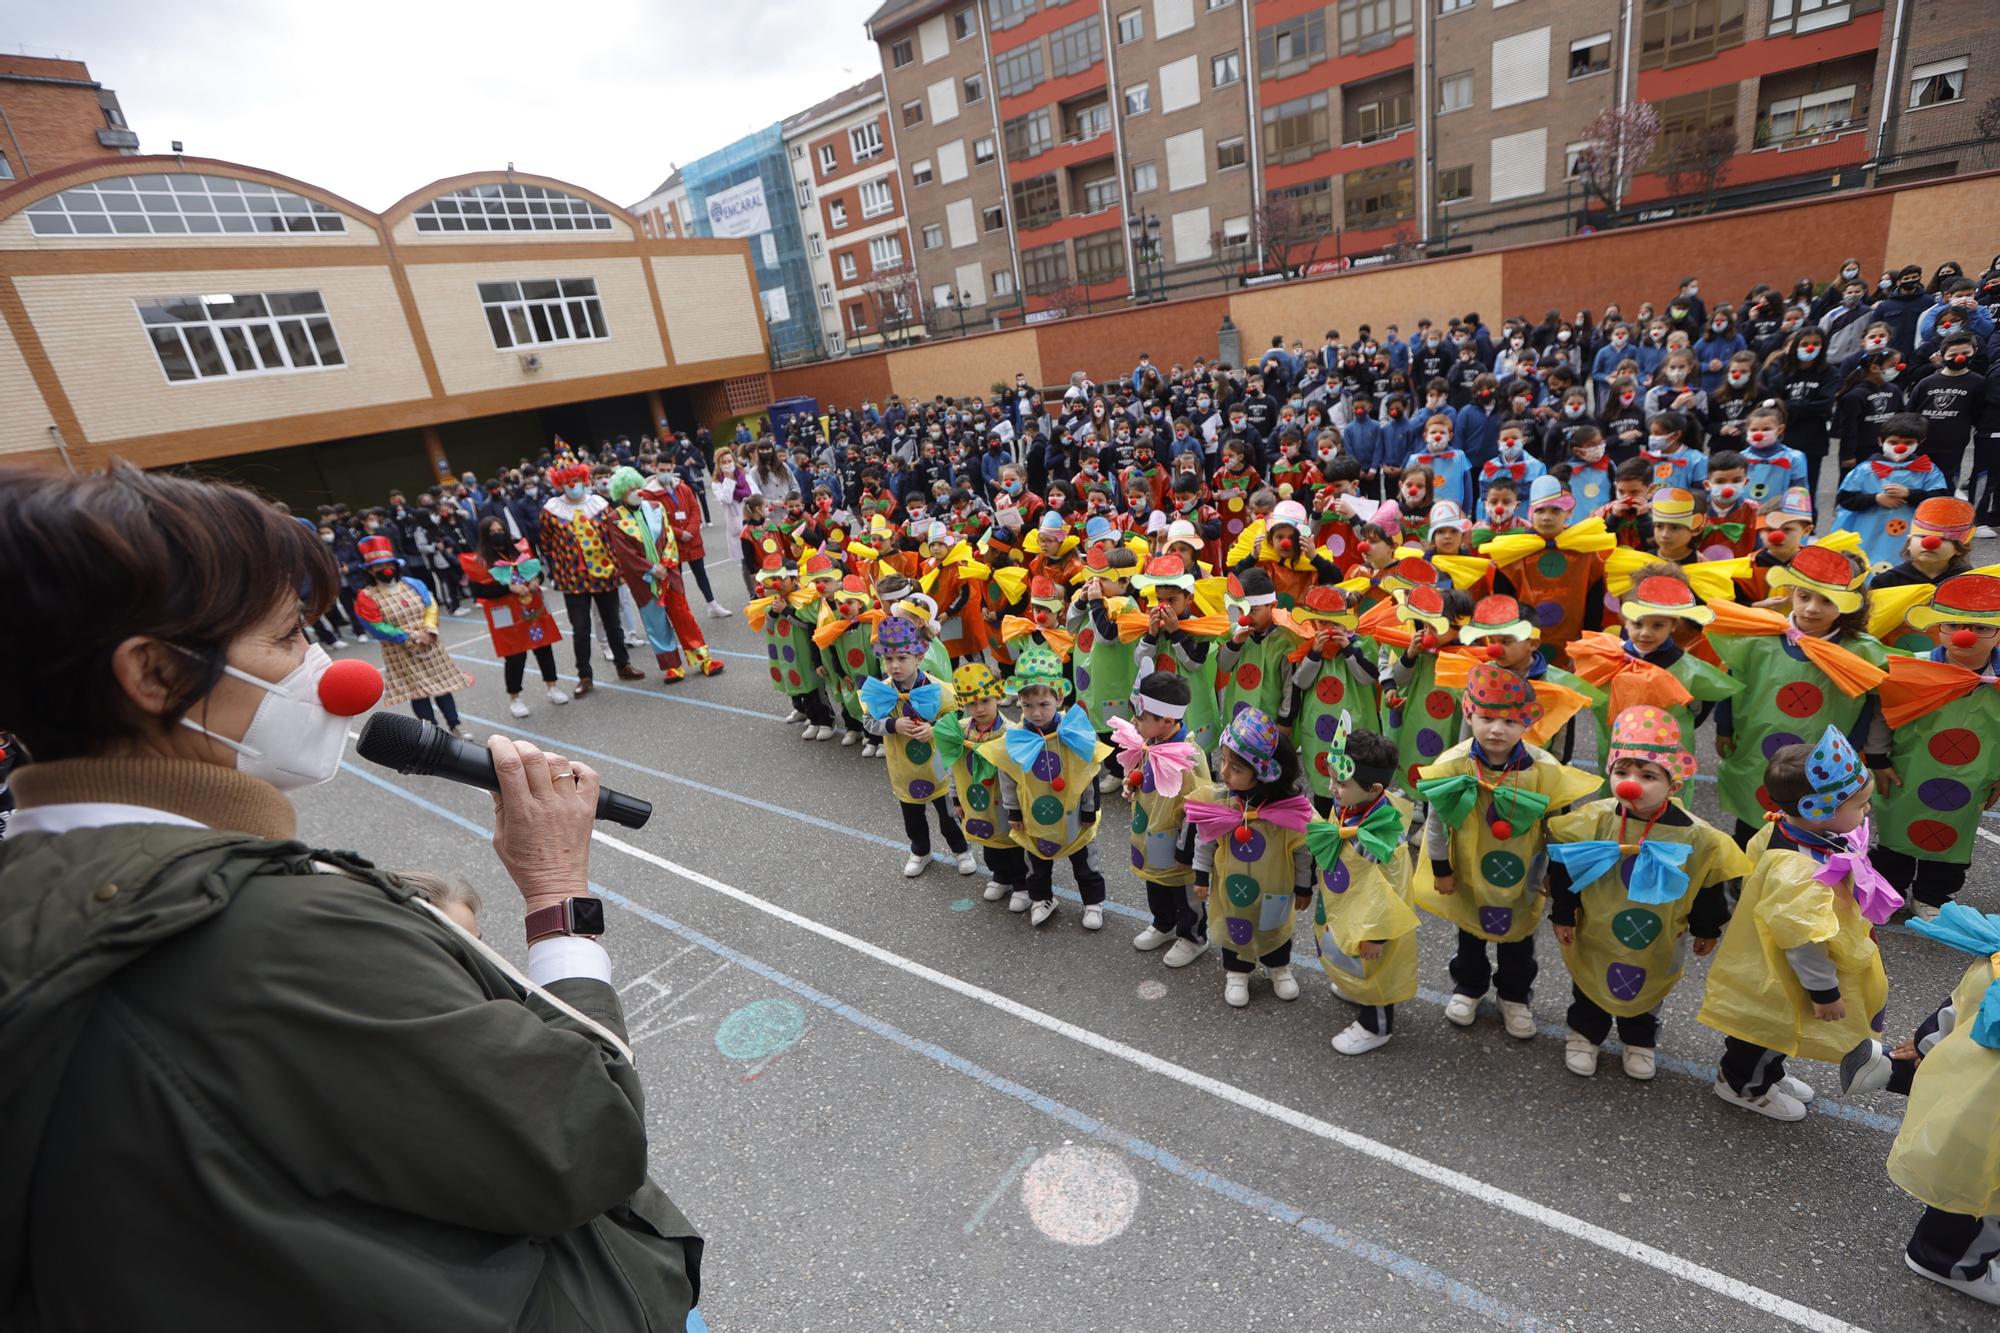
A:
[846,381]
[843,152]
[1108,345]
[55,124]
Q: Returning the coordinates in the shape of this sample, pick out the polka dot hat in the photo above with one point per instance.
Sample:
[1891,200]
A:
[975,681]
[1835,772]
[1494,690]
[1652,734]
[1252,737]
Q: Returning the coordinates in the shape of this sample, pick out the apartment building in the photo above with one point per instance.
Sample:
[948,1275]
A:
[666,213]
[53,113]
[850,194]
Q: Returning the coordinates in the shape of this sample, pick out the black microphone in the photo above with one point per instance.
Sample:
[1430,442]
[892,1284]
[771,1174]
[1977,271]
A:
[411,745]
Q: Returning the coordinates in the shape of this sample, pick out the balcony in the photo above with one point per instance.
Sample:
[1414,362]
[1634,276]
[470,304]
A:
[1377,109]
[1810,107]
[121,139]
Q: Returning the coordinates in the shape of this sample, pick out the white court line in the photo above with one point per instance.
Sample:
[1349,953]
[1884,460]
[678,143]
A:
[1625,1247]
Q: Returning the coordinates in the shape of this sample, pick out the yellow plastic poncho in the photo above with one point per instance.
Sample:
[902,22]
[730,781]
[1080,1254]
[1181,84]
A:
[1948,1152]
[916,774]
[1156,827]
[1250,904]
[1052,828]
[1359,900]
[1753,994]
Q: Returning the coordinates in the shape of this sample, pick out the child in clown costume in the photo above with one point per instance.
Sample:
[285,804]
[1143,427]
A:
[1934,746]
[901,706]
[1785,530]
[1162,766]
[1282,547]
[399,613]
[1330,676]
[976,781]
[1043,623]
[1877,496]
[785,616]
[1484,860]
[1947,1153]
[1798,973]
[1555,570]
[640,536]
[1048,768]
[1106,622]
[1181,640]
[1801,673]
[901,598]
[1679,522]
[1363,921]
[845,636]
[1498,631]
[1940,540]
[1646,663]
[1251,863]
[1254,655]
[1632,876]
[1420,713]
[507,581]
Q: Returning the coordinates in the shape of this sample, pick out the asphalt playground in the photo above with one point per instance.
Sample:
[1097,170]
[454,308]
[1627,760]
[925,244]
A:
[889,1104]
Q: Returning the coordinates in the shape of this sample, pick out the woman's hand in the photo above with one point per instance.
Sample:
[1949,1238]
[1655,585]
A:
[542,818]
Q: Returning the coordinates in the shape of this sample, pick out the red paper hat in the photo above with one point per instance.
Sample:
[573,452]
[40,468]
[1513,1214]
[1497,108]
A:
[855,586]
[377,551]
[1323,598]
[1042,588]
[1098,561]
[819,567]
[1944,516]
[1422,605]
[1663,596]
[1165,567]
[1967,599]
[1498,616]
[1826,571]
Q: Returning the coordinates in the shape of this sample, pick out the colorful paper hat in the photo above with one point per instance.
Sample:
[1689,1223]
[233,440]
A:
[1326,604]
[378,551]
[975,681]
[1043,591]
[1038,665]
[1548,490]
[854,588]
[1652,734]
[1825,571]
[1253,587]
[819,569]
[1674,505]
[774,568]
[1290,513]
[1388,516]
[1835,772]
[1164,571]
[1253,737]
[896,634]
[1098,529]
[1946,517]
[1447,514]
[1492,689]
[1411,572]
[623,482]
[1422,605]
[1968,599]
[1663,596]
[1498,617]
[1339,763]
[1797,504]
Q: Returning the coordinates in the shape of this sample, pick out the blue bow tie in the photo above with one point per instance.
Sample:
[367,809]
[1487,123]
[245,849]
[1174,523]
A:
[1659,873]
[1025,744]
[882,699]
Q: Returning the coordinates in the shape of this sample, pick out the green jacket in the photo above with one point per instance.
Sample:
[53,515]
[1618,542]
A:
[246,1085]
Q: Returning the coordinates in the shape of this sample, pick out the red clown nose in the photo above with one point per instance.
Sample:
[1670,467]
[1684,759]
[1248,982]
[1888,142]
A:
[1628,790]
[1496,651]
[1428,641]
[1774,536]
[349,687]
[1964,638]
[1244,620]
[1932,542]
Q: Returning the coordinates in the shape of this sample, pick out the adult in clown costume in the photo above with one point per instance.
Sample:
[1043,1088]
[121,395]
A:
[578,561]
[399,613]
[1811,668]
[1556,570]
[1877,496]
[1935,745]
[1799,973]
[976,781]
[1364,925]
[1632,878]
[1947,1153]
[639,532]
[507,581]
[902,707]
[1183,624]
[1484,856]
[1329,677]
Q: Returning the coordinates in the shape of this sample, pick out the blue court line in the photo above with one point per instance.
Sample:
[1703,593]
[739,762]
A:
[1414,1271]
[1703,1073]
[645,694]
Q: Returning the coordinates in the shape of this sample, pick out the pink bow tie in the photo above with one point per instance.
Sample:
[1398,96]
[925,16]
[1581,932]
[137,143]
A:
[1215,822]
[1168,761]
[1872,894]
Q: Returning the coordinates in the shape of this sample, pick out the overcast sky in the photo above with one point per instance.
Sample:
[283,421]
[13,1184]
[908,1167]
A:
[373,98]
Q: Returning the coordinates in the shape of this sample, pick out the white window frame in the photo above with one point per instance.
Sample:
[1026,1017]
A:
[1573,155]
[972,89]
[1454,6]
[921,173]
[1463,198]
[1003,282]
[1797,107]
[518,206]
[1151,179]
[933,234]
[848,269]
[826,296]
[865,141]
[805,195]
[1215,69]
[982,150]
[1471,92]
[1138,99]
[1236,233]
[217,328]
[829,158]
[1800,17]
[883,201]
[837,214]
[1131,26]
[1584,44]
[1242,147]
[565,310]
[904,53]
[1938,69]
[987,216]
[964,24]
[886,251]
[816,244]
[183,204]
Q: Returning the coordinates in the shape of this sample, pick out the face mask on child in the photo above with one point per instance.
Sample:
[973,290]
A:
[1723,498]
[1899,451]
[1760,439]
[1591,453]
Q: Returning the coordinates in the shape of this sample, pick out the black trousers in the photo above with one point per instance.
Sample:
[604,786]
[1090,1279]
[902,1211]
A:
[1089,880]
[578,605]
[1281,956]
[1174,909]
[1954,1244]
[1749,1069]
[1513,980]
[700,569]
[1587,1019]
[919,829]
[515,668]
[422,708]
[1008,865]
[1744,832]
[819,713]
[1931,882]
[1379,1019]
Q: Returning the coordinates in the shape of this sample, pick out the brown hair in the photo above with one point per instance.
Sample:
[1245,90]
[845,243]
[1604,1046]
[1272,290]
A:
[1785,777]
[100,558]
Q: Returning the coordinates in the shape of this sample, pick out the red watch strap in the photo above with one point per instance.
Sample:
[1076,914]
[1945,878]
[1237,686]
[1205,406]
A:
[546,922]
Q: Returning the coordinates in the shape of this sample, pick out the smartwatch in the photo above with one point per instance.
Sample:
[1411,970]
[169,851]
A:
[571,916]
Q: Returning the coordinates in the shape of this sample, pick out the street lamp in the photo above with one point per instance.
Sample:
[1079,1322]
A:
[1146,259]
[958,301]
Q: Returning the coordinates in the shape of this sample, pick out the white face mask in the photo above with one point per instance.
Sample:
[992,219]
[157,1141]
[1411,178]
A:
[292,741]
[1901,450]
[1591,453]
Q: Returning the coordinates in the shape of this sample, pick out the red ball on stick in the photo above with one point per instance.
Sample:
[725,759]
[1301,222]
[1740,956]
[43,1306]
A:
[1242,833]
[1057,783]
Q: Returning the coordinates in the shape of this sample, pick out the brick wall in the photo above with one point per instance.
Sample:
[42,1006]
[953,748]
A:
[53,124]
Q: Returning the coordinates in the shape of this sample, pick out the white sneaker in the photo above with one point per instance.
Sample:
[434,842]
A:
[1093,916]
[1151,938]
[1640,1062]
[1236,989]
[823,734]
[1866,1068]
[1579,1055]
[606,650]
[556,695]
[870,750]
[808,732]
[1357,1040]
[1184,952]
[1985,1287]
[1923,911]
[1774,1104]
[1518,1019]
[1461,1009]
[1796,1088]
[517,708]
[795,716]
[719,611]
[995,891]
[968,864]
[1984,532]
[916,865]
[1283,984]
[1108,782]
[1017,901]
[1041,912]
[848,738]
[339,642]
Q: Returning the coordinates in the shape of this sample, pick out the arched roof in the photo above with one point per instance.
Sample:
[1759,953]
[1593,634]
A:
[41,185]
[409,203]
